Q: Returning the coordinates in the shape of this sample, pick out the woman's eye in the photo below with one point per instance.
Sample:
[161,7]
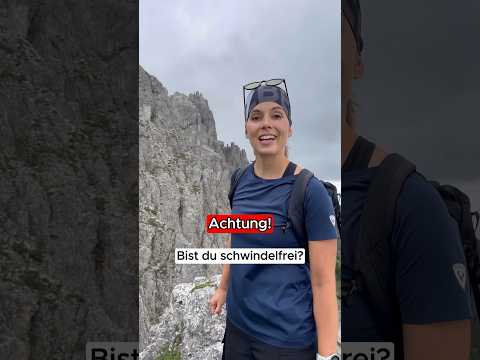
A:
[277,116]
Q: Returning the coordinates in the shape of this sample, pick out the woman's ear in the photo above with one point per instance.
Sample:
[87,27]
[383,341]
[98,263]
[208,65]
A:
[246,134]
[290,131]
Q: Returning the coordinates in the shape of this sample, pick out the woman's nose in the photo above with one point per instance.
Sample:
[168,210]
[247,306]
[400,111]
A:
[266,121]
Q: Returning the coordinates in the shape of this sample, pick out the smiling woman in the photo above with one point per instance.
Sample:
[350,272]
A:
[268,129]
[268,119]
[269,308]
[214,48]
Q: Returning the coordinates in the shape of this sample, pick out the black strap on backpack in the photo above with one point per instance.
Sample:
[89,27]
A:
[458,205]
[335,197]
[237,174]
[372,260]
[295,209]
[360,155]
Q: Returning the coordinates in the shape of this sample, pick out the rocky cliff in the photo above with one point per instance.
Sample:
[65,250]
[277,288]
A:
[186,329]
[68,176]
[184,175]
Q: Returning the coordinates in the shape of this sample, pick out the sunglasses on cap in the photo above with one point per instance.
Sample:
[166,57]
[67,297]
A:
[271,82]
[256,84]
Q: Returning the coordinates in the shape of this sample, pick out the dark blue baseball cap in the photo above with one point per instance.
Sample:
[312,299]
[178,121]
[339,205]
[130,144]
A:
[267,93]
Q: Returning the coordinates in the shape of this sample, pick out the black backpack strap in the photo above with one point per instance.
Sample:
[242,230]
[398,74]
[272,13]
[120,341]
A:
[359,156]
[335,197]
[295,208]
[458,205]
[372,257]
[290,170]
[237,174]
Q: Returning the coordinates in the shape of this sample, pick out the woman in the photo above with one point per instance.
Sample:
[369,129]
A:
[430,305]
[279,311]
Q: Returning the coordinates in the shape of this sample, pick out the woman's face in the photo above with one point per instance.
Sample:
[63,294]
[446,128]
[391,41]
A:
[268,129]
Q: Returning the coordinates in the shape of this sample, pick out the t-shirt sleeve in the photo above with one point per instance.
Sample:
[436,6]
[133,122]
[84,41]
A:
[431,275]
[319,213]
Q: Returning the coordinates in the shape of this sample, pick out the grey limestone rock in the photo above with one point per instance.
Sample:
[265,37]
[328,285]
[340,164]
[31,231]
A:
[186,328]
[184,175]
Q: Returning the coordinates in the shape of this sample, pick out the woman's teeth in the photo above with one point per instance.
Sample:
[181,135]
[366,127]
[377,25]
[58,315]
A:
[267,137]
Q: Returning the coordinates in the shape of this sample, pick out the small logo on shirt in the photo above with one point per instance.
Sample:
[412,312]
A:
[332,220]
[460,274]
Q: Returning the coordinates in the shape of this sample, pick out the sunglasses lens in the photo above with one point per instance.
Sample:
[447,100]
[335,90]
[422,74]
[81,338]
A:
[274,82]
[252,86]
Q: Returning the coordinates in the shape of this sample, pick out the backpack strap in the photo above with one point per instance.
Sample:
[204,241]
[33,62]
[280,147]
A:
[290,170]
[295,208]
[360,155]
[335,197]
[373,260]
[235,178]
[458,205]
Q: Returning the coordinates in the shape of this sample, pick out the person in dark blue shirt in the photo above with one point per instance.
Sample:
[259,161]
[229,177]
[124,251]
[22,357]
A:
[434,303]
[274,311]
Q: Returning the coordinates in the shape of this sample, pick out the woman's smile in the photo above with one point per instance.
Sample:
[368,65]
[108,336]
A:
[267,139]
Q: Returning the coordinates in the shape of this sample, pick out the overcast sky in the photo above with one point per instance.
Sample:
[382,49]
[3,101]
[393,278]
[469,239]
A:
[217,46]
[419,95]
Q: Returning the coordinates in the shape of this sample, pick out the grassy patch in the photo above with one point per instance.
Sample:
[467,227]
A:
[169,354]
[172,351]
[202,285]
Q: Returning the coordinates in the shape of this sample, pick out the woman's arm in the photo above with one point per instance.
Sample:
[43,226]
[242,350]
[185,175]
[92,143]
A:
[325,309]
[218,299]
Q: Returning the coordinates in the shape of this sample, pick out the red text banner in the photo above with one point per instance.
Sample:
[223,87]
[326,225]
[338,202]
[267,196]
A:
[239,223]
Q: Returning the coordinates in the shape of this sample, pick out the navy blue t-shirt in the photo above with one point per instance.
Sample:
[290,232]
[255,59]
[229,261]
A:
[426,245]
[273,302]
